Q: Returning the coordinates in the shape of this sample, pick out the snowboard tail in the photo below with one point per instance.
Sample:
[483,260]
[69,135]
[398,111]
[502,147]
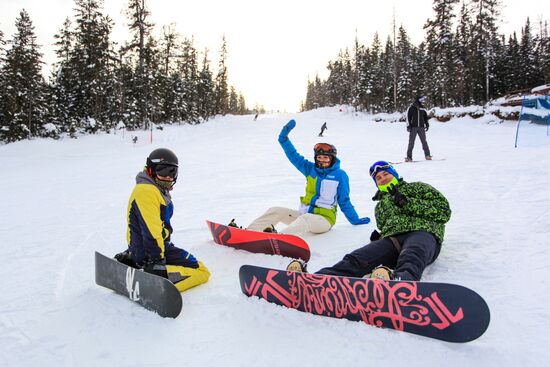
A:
[260,242]
[448,312]
[153,292]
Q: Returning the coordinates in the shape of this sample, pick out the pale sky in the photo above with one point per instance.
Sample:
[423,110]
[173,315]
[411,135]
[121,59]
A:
[273,47]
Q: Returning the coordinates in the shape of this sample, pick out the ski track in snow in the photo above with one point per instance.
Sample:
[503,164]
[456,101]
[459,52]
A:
[65,199]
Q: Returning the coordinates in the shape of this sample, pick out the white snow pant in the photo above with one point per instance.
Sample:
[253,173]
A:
[298,224]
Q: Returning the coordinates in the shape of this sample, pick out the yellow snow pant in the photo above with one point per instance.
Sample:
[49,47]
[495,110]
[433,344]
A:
[185,278]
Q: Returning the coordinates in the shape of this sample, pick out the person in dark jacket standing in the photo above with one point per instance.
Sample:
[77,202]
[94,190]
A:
[411,218]
[417,124]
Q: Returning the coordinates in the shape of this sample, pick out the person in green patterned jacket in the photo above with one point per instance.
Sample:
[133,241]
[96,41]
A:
[411,218]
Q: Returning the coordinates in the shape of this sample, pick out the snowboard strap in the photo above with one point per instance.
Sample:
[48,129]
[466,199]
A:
[396,244]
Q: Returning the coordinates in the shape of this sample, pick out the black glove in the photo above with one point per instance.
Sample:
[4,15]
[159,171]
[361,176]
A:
[409,128]
[427,126]
[375,236]
[398,198]
[126,258]
[157,267]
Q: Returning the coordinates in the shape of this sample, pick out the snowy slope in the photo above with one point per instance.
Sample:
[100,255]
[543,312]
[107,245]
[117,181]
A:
[62,200]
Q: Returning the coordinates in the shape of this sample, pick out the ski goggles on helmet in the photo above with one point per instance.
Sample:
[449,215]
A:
[378,167]
[324,149]
[166,170]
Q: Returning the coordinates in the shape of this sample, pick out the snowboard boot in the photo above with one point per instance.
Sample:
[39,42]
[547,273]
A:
[382,272]
[428,157]
[233,224]
[298,266]
[270,229]
[407,159]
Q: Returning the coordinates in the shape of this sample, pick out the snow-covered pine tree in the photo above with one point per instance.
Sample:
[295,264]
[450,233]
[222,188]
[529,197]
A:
[168,52]
[420,62]
[221,89]
[233,101]
[24,102]
[439,41]
[498,86]
[63,81]
[188,72]
[241,105]
[513,69]
[137,54]
[92,61]
[376,65]
[360,76]
[545,54]
[484,45]
[529,58]
[462,45]
[386,76]
[339,84]
[205,90]
[404,69]
[2,89]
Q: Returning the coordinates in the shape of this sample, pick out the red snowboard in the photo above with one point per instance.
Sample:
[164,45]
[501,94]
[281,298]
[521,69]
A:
[260,242]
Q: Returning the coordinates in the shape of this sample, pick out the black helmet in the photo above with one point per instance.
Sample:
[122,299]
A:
[325,149]
[162,162]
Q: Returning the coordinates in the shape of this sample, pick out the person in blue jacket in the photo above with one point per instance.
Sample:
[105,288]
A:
[327,187]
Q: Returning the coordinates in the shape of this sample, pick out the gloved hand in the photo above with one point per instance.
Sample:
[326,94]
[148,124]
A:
[409,128]
[283,136]
[156,267]
[358,221]
[189,261]
[375,235]
[398,198]
[126,258]
[427,126]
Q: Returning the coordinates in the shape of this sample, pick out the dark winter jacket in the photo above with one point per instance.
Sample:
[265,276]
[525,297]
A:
[426,209]
[417,116]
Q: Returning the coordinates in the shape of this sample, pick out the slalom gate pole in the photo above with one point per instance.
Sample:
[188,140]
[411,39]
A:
[519,121]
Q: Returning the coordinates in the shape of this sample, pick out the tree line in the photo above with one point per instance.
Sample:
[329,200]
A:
[463,60]
[97,85]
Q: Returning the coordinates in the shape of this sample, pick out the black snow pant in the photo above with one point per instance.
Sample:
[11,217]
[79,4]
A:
[421,132]
[417,250]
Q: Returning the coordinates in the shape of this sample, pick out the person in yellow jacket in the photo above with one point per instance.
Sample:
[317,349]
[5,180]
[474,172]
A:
[150,209]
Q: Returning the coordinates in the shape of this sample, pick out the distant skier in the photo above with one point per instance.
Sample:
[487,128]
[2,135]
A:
[255,117]
[327,187]
[417,124]
[150,209]
[135,139]
[323,128]
[411,218]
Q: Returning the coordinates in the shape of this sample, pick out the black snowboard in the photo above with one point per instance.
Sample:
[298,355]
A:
[441,311]
[153,292]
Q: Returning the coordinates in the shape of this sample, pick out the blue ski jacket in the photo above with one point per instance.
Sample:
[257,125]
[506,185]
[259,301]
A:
[326,188]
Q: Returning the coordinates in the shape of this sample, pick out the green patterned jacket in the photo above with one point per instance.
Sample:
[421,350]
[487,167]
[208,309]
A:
[426,209]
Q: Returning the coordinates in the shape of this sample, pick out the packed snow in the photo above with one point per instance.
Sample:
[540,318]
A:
[64,199]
